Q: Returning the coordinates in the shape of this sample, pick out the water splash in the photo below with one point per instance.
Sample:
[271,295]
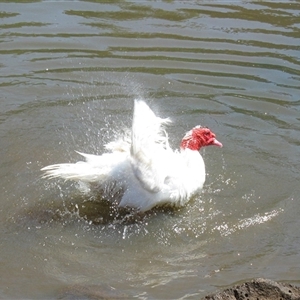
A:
[225,229]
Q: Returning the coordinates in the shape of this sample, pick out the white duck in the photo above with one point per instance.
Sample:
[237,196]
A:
[145,169]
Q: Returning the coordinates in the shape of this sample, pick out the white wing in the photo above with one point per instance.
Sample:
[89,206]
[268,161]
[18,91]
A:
[149,147]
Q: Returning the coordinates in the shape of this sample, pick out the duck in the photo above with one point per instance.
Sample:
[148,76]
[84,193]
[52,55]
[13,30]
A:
[141,168]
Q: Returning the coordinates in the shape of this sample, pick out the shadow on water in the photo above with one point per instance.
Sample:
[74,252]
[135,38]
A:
[90,208]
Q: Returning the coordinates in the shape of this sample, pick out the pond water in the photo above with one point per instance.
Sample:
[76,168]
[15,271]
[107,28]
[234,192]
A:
[70,72]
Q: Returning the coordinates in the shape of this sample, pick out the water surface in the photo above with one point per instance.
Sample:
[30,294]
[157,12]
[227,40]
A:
[69,74]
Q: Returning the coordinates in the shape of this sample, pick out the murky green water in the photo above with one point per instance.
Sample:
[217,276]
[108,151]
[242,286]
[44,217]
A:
[69,74]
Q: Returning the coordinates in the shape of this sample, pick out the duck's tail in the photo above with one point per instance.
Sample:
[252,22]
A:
[94,169]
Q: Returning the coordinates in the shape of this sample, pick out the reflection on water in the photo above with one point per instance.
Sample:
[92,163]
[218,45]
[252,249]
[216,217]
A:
[69,74]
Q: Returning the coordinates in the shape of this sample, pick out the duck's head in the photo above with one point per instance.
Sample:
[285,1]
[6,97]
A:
[199,137]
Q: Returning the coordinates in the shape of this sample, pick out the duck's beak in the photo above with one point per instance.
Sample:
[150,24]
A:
[215,142]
